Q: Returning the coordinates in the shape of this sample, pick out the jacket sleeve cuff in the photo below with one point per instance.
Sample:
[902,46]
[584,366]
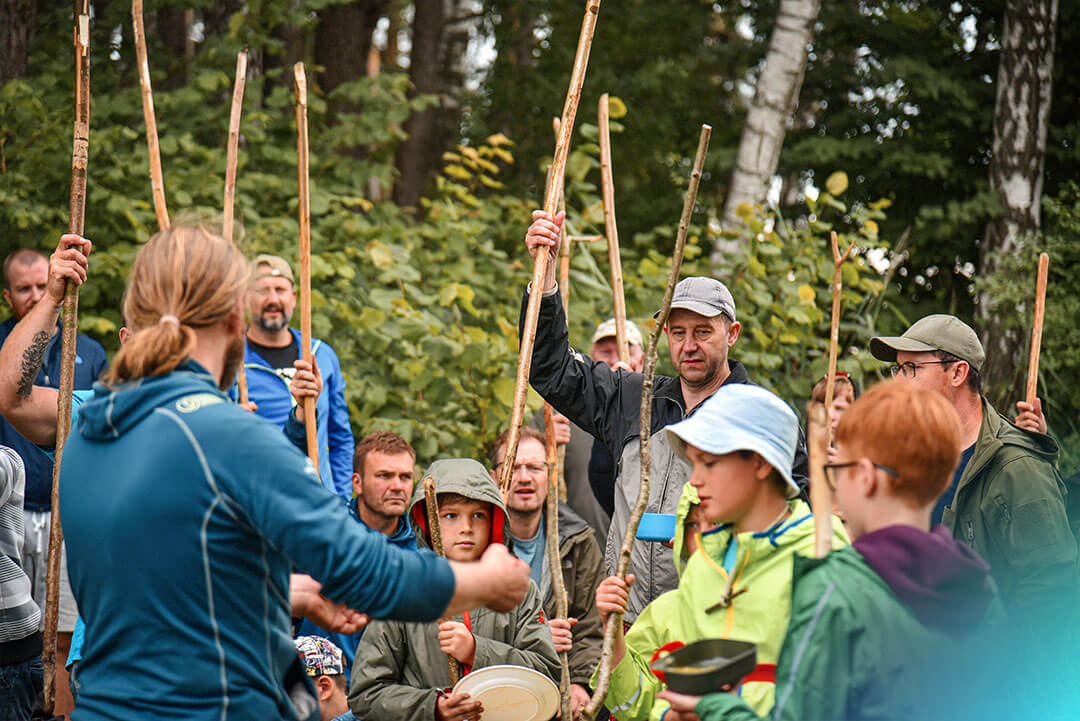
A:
[546,294]
[295,430]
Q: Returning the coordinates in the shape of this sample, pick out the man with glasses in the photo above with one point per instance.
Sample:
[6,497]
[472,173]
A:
[1006,499]
[582,563]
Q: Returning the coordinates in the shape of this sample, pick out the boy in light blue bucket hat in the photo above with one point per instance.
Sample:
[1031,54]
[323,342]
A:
[741,443]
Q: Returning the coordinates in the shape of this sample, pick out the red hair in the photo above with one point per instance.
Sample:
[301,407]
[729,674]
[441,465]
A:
[915,432]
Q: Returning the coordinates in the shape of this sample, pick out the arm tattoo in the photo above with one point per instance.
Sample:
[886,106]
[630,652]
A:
[31,363]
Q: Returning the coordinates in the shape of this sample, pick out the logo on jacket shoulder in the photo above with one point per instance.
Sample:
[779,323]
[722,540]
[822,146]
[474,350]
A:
[192,403]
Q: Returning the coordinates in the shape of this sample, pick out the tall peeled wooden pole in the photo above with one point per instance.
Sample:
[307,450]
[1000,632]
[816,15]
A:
[157,179]
[230,179]
[614,621]
[305,250]
[834,329]
[431,504]
[558,583]
[1036,329]
[551,205]
[564,290]
[817,439]
[77,214]
[607,184]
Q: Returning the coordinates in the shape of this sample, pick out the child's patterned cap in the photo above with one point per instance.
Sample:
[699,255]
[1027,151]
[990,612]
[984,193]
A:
[320,656]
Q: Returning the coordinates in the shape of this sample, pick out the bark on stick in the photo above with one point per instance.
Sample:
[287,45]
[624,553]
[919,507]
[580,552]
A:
[611,230]
[551,205]
[77,215]
[558,583]
[614,622]
[834,329]
[1036,329]
[305,251]
[431,506]
[157,179]
[230,179]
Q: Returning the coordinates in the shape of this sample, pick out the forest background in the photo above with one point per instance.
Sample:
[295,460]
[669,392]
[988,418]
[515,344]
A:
[431,129]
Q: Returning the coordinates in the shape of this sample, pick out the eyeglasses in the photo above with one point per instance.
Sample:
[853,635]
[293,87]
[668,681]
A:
[909,369]
[832,468]
[533,469]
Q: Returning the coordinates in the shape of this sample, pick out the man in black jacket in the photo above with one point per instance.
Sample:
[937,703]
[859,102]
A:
[607,403]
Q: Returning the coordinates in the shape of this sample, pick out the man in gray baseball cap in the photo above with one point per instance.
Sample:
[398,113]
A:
[606,403]
[1006,499]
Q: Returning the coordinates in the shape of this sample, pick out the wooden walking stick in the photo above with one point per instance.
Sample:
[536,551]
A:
[558,583]
[1036,329]
[157,179]
[614,622]
[551,204]
[230,180]
[431,503]
[77,215]
[817,435]
[834,331]
[611,231]
[305,251]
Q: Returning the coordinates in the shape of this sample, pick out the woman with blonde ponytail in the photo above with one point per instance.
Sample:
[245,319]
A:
[185,514]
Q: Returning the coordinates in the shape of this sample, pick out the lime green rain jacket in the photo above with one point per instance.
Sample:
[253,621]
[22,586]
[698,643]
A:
[758,613]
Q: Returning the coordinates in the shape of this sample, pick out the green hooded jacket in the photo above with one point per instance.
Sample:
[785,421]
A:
[855,651]
[400,668]
[1010,507]
[758,613]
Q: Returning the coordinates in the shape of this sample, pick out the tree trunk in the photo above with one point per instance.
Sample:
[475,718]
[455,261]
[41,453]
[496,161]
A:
[172,29]
[1021,114]
[343,40]
[16,32]
[775,99]
[414,154]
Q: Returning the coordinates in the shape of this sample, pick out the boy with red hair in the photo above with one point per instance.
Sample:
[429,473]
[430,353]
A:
[883,629]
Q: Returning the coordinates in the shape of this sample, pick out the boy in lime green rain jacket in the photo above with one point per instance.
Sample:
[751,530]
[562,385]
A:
[741,443]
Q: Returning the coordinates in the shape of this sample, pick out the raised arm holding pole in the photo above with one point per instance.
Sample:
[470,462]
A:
[607,184]
[304,207]
[540,269]
[613,628]
[77,216]
[157,178]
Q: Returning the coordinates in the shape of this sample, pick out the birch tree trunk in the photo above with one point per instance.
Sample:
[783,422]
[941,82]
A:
[1021,114]
[775,100]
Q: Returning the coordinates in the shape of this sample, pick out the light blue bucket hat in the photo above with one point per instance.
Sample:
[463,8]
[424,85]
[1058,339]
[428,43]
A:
[742,417]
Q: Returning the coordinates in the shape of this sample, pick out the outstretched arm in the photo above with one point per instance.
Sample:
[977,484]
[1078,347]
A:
[32,409]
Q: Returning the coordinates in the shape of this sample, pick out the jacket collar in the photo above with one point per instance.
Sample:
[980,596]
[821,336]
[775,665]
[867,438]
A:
[670,388]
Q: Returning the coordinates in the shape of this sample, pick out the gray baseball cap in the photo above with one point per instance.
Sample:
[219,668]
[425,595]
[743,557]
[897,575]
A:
[704,296]
[934,332]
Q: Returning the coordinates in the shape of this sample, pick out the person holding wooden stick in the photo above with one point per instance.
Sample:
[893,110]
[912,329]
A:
[400,672]
[580,634]
[1006,499]
[271,351]
[903,623]
[204,512]
[701,330]
[740,444]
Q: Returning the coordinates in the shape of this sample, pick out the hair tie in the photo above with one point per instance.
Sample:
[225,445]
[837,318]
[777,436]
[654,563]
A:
[169,318]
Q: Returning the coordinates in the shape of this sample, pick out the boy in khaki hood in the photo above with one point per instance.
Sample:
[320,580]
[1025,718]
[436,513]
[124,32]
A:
[400,672]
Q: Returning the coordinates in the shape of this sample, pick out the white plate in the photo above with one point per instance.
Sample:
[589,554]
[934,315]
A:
[511,693]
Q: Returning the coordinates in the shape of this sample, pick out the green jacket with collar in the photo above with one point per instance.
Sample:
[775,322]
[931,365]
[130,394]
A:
[1010,507]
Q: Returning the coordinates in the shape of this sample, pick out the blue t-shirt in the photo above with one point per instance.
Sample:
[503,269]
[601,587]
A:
[950,492]
[532,553]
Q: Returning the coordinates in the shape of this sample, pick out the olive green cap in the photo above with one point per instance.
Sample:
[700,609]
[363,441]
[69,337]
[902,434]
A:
[934,332]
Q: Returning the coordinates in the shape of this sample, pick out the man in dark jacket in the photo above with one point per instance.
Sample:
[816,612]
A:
[580,559]
[1006,500]
[700,330]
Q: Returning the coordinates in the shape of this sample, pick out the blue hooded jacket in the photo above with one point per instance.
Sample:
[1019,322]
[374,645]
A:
[405,538]
[185,515]
[90,363]
[271,393]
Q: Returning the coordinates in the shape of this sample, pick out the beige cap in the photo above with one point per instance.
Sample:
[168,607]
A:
[607,330]
[276,266]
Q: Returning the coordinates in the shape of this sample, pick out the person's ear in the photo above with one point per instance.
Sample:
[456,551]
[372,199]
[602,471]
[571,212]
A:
[866,479]
[7,297]
[733,333]
[960,373]
[324,686]
[762,468]
[357,484]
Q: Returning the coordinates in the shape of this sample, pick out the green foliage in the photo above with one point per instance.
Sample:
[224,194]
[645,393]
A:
[1013,290]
